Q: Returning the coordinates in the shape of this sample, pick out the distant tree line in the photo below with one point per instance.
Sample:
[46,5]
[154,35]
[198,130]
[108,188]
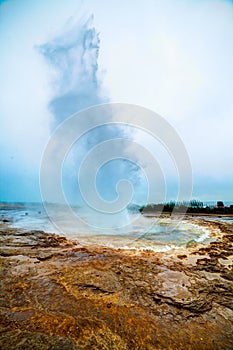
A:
[193,206]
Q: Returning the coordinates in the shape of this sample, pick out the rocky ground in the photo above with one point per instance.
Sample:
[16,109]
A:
[57,294]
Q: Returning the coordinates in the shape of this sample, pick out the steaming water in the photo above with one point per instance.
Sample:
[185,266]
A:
[144,233]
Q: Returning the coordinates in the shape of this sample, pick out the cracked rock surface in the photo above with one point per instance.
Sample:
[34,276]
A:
[57,294]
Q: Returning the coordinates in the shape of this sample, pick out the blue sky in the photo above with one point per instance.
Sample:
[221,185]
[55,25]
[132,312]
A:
[171,56]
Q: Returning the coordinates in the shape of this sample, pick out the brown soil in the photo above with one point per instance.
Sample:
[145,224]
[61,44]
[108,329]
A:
[57,294]
[149,212]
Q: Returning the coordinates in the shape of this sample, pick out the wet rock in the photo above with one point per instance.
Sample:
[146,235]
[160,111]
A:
[99,298]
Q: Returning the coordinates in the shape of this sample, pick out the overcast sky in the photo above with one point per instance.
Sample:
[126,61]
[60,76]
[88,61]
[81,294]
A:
[171,56]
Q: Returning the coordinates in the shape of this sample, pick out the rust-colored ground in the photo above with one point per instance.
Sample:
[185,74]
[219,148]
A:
[55,294]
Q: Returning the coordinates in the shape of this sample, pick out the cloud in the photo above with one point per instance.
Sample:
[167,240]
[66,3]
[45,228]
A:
[176,58]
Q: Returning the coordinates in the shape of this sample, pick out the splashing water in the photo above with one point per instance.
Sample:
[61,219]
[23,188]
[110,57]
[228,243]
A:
[93,151]
[73,59]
